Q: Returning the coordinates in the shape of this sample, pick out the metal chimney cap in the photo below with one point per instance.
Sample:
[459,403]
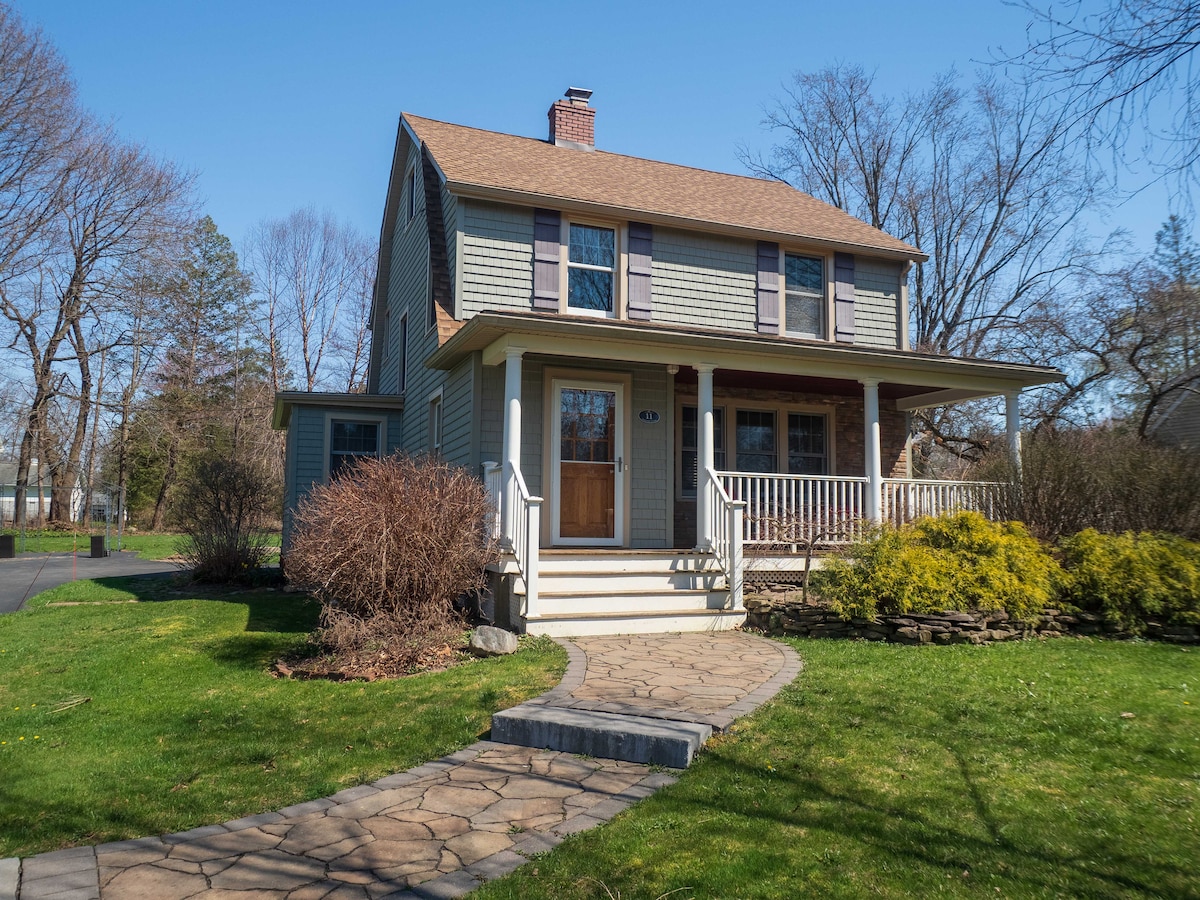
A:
[578,96]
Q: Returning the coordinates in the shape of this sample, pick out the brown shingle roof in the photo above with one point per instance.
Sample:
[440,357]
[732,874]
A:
[505,163]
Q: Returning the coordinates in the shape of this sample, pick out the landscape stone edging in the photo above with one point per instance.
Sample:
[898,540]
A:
[784,614]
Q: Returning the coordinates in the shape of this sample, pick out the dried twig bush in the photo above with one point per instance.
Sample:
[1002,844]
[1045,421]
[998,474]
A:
[1104,479]
[387,548]
[223,505]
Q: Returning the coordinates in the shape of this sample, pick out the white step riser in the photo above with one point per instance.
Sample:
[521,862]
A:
[666,601]
[597,582]
[634,625]
[656,562]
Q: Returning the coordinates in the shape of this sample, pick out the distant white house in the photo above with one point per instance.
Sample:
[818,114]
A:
[37,496]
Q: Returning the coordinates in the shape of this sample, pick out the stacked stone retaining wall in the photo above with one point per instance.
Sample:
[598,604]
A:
[779,611]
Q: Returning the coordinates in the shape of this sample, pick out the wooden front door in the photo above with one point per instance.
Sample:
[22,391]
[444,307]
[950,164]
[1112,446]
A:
[588,502]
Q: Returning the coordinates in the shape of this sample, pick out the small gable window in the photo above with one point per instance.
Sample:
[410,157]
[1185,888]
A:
[804,295]
[591,268]
[410,195]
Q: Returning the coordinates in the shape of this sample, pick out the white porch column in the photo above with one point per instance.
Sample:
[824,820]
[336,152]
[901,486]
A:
[1012,419]
[512,440]
[704,454]
[873,452]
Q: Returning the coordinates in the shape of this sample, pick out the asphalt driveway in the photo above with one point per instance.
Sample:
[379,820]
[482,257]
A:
[32,573]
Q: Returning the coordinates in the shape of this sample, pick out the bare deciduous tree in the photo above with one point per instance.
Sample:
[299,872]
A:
[310,275]
[1126,70]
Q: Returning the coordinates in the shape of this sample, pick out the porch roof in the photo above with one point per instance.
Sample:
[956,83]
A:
[914,380]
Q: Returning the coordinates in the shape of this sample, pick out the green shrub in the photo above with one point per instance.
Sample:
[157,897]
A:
[1132,578]
[953,562]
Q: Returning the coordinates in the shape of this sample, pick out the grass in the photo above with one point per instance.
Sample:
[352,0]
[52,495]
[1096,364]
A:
[1064,768]
[147,545]
[122,720]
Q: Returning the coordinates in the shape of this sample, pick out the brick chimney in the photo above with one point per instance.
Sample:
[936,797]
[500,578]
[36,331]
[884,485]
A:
[572,121]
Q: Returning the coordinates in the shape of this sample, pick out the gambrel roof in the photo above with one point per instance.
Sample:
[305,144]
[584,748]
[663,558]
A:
[534,172]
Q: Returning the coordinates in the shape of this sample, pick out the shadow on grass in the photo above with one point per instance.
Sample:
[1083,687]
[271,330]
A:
[982,843]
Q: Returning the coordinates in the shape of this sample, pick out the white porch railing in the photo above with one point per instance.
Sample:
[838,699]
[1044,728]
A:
[787,510]
[726,528]
[906,499]
[521,536]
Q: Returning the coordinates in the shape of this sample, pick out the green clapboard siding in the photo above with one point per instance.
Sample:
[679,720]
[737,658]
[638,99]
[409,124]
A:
[701,280]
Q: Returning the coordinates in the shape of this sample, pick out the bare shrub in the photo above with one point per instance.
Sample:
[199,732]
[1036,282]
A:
[222,506]
[387,548]
[1103,479]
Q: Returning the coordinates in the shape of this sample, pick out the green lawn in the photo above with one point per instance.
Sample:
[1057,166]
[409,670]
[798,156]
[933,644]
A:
[1068,768]
[123,719]
[148,546]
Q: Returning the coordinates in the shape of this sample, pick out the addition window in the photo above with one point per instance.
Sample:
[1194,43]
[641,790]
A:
[804,295]
[689,443]
[350,440]
[755,439]
[806,445]
[591,268]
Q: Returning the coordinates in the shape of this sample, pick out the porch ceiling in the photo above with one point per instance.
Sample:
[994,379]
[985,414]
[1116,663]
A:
[913,380]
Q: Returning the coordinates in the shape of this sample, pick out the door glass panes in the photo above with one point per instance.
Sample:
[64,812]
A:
[806,445]
[591,261]
[755,439]
[588,425]
[804,283]
[350,440]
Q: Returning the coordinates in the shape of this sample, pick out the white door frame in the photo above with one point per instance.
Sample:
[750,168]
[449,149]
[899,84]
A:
[620,455]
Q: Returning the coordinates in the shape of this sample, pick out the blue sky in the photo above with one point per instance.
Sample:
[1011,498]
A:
[277,105]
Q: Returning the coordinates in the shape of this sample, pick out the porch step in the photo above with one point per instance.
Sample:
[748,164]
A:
[584,623]
[563,600]
[637,739]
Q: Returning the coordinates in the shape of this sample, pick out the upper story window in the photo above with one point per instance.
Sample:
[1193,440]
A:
[804,295]
[348,441]
[591,268]
[410,195]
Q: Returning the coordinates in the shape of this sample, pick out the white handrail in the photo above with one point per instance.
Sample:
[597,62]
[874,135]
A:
[726,528]
[493,483]
[526,539]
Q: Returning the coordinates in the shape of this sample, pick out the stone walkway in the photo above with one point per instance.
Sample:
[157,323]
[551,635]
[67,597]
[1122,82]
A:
[441,829]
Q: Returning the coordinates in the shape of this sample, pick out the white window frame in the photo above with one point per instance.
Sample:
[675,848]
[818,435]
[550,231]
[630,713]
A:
[619,270]
[379,421]
[826,299]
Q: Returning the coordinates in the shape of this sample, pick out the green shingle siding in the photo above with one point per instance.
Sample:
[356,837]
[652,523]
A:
[876,303]
[497,264]
[698,280]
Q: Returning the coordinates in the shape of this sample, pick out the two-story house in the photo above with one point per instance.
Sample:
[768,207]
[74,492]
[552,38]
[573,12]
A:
[652,366]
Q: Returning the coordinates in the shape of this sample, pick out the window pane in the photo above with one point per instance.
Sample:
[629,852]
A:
[354,437]
[590,289]
[755,440]
[804,273]
[593,246]
[806,445]
[803,314]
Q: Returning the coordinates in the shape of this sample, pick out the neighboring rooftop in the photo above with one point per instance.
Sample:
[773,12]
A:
[520,169]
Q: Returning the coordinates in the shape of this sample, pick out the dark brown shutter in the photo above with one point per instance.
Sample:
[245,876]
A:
[641,245]
[546,254]
[768,287]
[843,297]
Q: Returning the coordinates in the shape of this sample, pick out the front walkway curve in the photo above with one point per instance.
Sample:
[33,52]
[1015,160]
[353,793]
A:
[441,829]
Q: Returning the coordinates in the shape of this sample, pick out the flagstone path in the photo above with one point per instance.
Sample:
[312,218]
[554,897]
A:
[441,829]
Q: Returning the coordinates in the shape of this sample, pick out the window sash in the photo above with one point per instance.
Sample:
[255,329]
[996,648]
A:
[756,441]
[350,439]
[591,267]
[804,295]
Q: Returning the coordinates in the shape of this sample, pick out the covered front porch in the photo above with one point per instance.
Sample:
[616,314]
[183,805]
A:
[699,452]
